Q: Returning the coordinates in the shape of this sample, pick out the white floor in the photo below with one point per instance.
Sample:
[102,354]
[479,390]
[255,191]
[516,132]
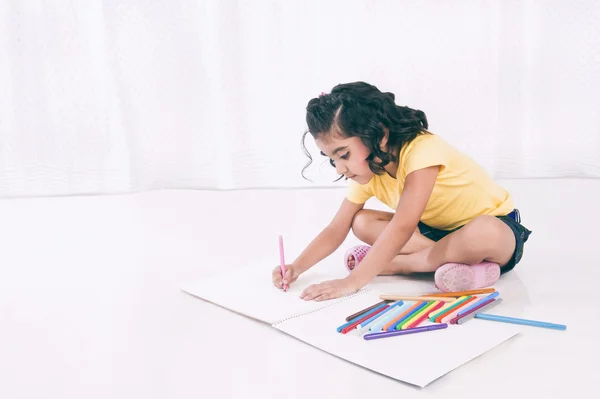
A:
[90,305]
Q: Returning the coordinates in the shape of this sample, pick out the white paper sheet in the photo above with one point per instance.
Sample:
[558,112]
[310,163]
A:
[417,359]
[249,291]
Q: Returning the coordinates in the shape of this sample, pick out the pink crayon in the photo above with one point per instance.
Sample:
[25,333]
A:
[282,260]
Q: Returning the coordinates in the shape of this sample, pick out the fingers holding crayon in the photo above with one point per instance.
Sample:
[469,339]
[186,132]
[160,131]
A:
[291,276]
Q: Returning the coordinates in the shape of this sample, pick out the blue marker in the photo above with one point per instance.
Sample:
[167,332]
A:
[380,314]
[378,324]
[354,320]
[477,303]
[418,308]
[525,322]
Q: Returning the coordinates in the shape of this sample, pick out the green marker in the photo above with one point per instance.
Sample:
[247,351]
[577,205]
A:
[416,315]
[449,309]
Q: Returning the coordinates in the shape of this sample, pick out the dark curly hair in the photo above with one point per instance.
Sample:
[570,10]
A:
[359,109]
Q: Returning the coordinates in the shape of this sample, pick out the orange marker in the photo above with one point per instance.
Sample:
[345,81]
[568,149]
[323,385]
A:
[463,293]
[397,297]
[391,323]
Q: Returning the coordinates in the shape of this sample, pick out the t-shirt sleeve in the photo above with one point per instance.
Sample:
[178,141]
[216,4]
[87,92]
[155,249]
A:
[357,193]
[428,150]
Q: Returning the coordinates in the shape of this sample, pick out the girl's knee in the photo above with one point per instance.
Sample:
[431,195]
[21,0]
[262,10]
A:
[360,222]
[363,219]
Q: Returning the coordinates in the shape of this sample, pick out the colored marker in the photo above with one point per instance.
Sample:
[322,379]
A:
[525,322]
[484,306]
[445,318]
[282,260]
[477,303]
[422,316]
[388,334]
[444,307]
[355,315]
[463,293]
[458,304]
[396,319]
[407,316]
[455,318]
[448,307]
[378,324]
[356,319]
[377,316]
[395,297]
[377,319]
[426,310]
[363,318]
[413,316]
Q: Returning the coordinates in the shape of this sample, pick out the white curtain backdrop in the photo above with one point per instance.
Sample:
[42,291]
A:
[120,96]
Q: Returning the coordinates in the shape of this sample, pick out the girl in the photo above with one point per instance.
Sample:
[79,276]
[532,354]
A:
[451,218]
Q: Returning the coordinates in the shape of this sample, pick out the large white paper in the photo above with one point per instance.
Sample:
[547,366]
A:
[249,291]
[417,359]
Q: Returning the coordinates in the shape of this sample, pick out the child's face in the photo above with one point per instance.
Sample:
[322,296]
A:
[348,154]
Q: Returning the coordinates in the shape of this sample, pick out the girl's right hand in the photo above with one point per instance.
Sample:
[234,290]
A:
[291,275]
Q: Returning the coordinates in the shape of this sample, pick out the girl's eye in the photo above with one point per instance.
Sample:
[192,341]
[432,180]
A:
[345,156]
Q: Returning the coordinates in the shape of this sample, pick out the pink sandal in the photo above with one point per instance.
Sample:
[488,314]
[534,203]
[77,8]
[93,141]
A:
[453,277]
[358,253]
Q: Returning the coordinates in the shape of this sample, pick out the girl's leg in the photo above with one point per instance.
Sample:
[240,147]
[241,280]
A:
[484,238]
[368,224]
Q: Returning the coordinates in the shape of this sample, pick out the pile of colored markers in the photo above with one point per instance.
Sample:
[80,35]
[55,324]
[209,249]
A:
[400,315]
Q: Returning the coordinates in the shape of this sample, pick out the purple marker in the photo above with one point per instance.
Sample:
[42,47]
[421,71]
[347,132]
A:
[490,304]
[405,332]
[474,310]
[477,303]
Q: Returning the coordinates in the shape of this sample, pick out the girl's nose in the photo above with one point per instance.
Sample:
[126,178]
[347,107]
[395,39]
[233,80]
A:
[340,168]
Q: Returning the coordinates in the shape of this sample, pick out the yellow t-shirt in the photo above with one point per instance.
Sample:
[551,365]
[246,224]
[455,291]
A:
[462,191]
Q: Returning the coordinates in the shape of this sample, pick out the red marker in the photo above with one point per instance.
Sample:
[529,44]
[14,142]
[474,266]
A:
[352,326]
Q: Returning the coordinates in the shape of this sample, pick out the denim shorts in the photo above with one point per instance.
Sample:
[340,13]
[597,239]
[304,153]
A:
[512,220]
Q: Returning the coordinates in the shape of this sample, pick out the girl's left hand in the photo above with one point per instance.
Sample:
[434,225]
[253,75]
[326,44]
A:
[328,290]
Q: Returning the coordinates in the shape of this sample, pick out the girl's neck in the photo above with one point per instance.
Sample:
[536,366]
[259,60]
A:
[392,167]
